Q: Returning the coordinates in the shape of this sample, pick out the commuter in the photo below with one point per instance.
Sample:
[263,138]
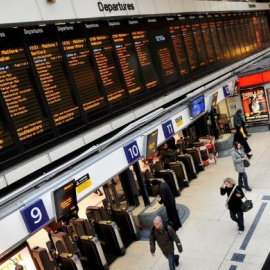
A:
[171,144]
[166,197]
[165,237]
[182,145]
[238,156]
[239,122]
[238,137]
[165,152]
[234,202]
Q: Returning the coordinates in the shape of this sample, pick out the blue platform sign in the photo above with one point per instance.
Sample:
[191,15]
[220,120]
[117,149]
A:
[226,90]
[168,129]
[35,216]
[132,152]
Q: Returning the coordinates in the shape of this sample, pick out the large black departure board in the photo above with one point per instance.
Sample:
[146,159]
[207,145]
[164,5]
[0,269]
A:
[105,58]
[222,37]
[127,58]
[245,35]
[48,60]
[248,30]
[234,34]
[265,27]
[253,32]
[79,61]
[198,38]
[162,49]
[207,40]
[189,43]
[6,140]
[239,29]
[178,45]
[19,91]
[228,35]
[215,38]
[142,46]
[256,30]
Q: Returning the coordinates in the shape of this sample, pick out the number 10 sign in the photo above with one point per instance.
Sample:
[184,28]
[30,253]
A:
[35,216]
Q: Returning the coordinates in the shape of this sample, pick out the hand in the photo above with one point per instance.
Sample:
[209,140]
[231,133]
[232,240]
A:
[238,195]
[153,254]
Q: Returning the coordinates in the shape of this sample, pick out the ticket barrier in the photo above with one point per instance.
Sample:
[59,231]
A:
[124,219]
[43,260]
[189,165]
[107,231]
[89,244]
[197,158]
[181,174]
[170,178]
[67,250]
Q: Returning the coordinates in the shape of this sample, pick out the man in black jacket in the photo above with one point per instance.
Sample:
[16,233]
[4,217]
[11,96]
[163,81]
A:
[167,198]
[165,237]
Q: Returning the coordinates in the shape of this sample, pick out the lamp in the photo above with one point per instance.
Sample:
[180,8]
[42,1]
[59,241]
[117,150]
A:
[17,266]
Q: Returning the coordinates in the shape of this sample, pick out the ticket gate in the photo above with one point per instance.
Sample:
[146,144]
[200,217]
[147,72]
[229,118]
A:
[197,158]
[189,165]
[70,261]
[89,244]
[171,179]
[180,171]
[107,231]
[43,260]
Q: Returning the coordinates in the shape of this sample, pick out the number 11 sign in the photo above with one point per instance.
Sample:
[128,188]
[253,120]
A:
[168,129]
[35,216]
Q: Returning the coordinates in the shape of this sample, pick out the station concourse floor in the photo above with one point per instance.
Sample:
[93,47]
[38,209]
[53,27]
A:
[209,237]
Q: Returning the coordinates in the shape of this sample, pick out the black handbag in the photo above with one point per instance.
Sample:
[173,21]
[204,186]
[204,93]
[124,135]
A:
[247,205]
[246,163]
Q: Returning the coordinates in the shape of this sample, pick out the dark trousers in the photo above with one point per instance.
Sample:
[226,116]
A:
[242,180]
[238,217]
[172,258]
[173,216]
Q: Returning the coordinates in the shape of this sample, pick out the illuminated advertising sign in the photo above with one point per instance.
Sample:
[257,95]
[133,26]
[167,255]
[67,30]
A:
[254,105]
[151,143]
[197,106]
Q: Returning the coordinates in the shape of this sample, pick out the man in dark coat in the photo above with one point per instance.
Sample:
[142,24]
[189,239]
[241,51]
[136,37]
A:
[167,198]
[239,122]
[165,236]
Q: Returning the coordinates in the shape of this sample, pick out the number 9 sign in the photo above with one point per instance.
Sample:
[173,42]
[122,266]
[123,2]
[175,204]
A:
[35,216]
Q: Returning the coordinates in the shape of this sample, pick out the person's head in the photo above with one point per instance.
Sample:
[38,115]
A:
[237,145]
[229,182]
[239,111]
[157,222]
[165,146]
[155,183]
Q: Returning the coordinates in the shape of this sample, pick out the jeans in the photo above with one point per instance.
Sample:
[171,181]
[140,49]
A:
[172,259]
[242,176]
[238,217]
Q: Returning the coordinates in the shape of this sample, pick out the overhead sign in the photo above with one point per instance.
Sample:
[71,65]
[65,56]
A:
[151,143]
[168,129]
[35,216]
[226,90]
[132,152]
[115,7]
[179,121]
[83,183]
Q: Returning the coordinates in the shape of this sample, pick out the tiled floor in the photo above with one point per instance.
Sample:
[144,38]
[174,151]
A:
[210,239]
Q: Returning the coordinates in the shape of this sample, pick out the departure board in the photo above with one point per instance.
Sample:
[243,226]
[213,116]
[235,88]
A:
[19,91]
[104,56]
[48,61]
[215,38]
[222,37]
[129,62]
[5,136]
[178,45]
[234,32]
[265,27]
[189,42]
[256,30]
[79,60]
[165,59]
[260,26]
[228,35]
[247,31]
[142,47]
[198,38]
[245,34]
[239,29]
[207,40]
[253,33]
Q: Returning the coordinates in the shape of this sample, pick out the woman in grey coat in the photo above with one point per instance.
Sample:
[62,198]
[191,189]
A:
[238,156]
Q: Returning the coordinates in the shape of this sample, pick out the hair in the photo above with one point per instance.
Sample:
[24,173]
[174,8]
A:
[229,180]
[235,145]
[155,182]
[157,218]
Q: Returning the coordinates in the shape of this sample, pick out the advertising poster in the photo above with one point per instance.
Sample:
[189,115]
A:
[254,105]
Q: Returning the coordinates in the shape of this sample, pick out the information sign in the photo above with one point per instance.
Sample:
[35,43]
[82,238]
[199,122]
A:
[168,129]
[132,152]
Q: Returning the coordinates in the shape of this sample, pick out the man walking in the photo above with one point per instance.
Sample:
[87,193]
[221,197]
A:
[165,236]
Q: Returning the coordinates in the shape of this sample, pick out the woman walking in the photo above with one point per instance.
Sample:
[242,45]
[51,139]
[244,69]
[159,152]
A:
[238,156]
[234,202]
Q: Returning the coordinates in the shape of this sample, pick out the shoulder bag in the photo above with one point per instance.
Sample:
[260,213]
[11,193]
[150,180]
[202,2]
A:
[226,204]
[247,205]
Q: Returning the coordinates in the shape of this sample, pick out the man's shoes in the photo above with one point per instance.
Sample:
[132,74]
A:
[249,134]
[249,156]
[240,232]
[176,262]
[248,188]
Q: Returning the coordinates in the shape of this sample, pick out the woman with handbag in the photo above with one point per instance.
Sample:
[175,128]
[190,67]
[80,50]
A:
[240,161]
[234,202]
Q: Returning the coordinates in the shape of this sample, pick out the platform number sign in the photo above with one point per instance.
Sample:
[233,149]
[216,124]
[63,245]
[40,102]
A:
[35,216]
[226,90]
[132,152]
[168,129]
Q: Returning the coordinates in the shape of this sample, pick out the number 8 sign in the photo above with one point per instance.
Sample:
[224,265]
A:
[35,216]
